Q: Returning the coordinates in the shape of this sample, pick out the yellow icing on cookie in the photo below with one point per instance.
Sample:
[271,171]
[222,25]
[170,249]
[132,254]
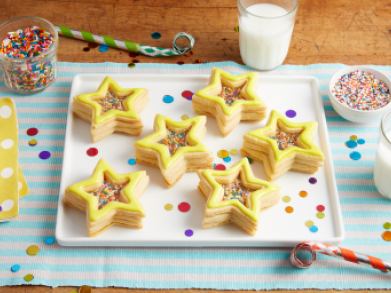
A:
[109,83]
[101,168]
[228,110]
[305,137]
[255,196]
[161,122]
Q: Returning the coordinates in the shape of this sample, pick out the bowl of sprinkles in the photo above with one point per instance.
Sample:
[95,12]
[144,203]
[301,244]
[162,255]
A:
[360,94]
[28,54]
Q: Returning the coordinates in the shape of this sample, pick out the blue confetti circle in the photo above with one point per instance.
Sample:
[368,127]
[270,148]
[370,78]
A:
[156,35]
[103,48]
[49,240]
[168,99]
[227,159]
[132,162]
[351,144]
[361,141]
[214,165]
[314,229]
[355,156]
[15,268]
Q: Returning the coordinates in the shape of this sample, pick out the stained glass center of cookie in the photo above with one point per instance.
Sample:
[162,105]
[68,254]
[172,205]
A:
[175,141]
[236,190]
[111,101]
[107,193]
[285,140]
[231,94]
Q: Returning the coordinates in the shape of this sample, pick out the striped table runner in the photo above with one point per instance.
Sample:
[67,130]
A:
[364,210]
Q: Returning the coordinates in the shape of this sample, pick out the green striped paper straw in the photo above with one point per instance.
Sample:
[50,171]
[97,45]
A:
[129,46]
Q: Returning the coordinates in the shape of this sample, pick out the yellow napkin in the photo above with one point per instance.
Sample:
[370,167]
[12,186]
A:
[12,182]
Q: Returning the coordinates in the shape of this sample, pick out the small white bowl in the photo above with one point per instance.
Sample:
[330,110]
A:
[354,115]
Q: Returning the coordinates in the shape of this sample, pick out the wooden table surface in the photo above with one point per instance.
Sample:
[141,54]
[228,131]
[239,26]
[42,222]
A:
[337,31]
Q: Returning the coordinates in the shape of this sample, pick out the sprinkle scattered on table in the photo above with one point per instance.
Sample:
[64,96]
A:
[32,131]
[168,207]
[184,207]
[189,233]
[168,99]
[180,63]
[33,142]
[320,208]
[32,250]
[220,167]
[250,160]
[188,54]
[92,152]
[353,137]
[289,209]
[187,94]
[86,49]
[312,180]
[303,193]
[28,278]
[236,28]
[49,240]
[234,152]
[223,154]
[93,45]
[132,162]
[386,235]
[290,113]
[387,225]
[351,144]
[355,156]
[133,54]
[320,215]
[156,35]
[361,141]
[184,117]
[15,268]
[227,159]
[103,48]
[314,229]
[309,223]
[85,289]
[131,65]
[44,155]
[286,198]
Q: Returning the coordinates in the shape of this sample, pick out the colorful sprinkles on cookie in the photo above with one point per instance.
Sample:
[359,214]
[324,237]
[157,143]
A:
[108,192]
[284,140]
[111,101]
[236,190]
[175,141]
[361,90]
[231,95]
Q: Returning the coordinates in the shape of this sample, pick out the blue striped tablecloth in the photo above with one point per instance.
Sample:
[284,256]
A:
[364,210]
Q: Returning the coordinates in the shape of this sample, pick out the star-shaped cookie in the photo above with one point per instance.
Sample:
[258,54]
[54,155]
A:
[109,198]
[230,99]
[112,109]
[175,147]
[283,145]
[235,196]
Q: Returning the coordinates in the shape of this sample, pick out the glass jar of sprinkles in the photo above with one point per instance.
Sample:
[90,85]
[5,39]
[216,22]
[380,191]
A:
[28,54]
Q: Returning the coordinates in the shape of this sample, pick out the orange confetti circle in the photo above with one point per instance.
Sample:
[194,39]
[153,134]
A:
[303,193]
[386,235]
[289,210]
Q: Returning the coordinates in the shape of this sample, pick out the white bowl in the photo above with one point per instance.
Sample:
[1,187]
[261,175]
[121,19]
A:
[354,115]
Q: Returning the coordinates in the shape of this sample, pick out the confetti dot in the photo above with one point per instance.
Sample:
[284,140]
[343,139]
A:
[49,240]
[1,208]
[309,223]
[32,131]
[351,144]
[131,65]
[320,215]
[7,143]
[33,142]
[7,172]
[386,235]
[312,180]
[44,155]
[32,250]
[361,141]
[320,208]
[286,198]
[234,152]
[314,229]
[7,205]
[180,63]
[355,156]
[223,154]
[290,113]
[184,117]
[86,49]
[189,233]
[198,61]
[28,277]
[168,207]
[214,166]
[188,54]
[15,268]
[132,162]
[85,289]
[92,152]
[220,167]
[353,137]
[184,207]
[250,160]
[303,193]
[5,112]
[227,159]
[136,60]
[93,45]
[168,99]
[187,94]
[103,48]
[236,28]
[289,210]
[133,54]
[387,225]
[156,35]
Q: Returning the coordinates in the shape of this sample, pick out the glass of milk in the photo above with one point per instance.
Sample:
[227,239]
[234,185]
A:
[265,31]
[382,171]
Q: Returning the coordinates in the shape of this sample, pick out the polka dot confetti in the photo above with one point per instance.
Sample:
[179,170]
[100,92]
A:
[198,61]
[32,250]
[132,162]
[320,215]
[180,63]
[184,207]
[103,48]
[387,225]
[234,152]
[86,49]
[33,142]
[44,155]
[188,54]
[355,156]
[314,229]
[286,198]
[15,268]
[289,209]
[309,223]
[386,235]
[250,160]
[85,289]
[184,117]
[351,144]
[131,65]
[361,141]
[320,208]
[32,131]
[353,137]
[220,167]
[136,60]
[227,159]
[92,152]
[28,277]
[236,28]
[49,240]
[223,154]
[168,207]
[156,35]
[93,45]
[312,180]
[168,99]
[189,233]
[290,113]
[133,54]
[187,94]
[303,193]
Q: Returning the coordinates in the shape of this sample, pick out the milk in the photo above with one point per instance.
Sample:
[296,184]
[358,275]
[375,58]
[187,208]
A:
[382,171]
[264,42]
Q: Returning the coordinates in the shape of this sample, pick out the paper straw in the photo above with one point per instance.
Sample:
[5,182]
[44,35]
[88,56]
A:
[337,252]
[129,46]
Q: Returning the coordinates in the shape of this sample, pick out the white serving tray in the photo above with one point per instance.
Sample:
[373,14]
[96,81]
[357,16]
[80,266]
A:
[167,228]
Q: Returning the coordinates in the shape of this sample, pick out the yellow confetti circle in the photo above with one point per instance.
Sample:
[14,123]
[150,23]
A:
[32,142]
[236,28]
[168,207]
[223,154]
[286,198]
[354,137]
[29,277]
[309,223]
[131,65]
[184,117]
[234,152]
[320,215]
[32,250]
